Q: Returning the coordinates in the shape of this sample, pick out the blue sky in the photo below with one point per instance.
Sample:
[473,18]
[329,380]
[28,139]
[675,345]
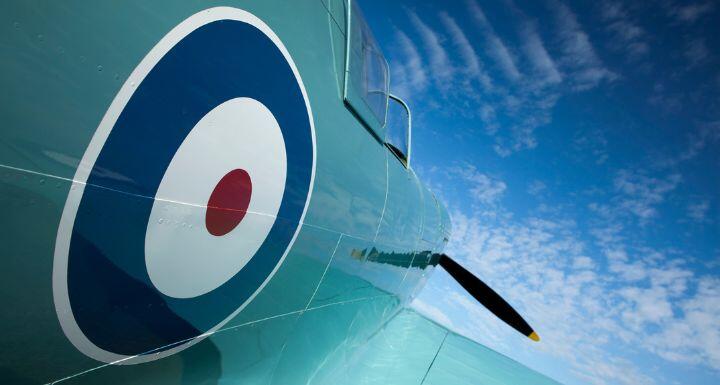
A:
[576,147]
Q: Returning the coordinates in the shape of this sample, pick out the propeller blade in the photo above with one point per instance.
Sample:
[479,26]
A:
[487,297]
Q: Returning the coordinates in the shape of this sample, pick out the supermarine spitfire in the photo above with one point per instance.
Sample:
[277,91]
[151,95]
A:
[207,192]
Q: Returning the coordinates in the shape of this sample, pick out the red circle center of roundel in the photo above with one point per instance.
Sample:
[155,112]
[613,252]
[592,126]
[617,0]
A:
[228,202]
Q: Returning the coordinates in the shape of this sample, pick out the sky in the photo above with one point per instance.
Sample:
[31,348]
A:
[575,145]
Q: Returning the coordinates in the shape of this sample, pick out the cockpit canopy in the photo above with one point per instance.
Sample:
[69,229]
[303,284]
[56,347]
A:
[367,84]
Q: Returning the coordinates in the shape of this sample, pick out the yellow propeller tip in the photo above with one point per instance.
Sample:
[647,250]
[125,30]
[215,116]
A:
[533,336]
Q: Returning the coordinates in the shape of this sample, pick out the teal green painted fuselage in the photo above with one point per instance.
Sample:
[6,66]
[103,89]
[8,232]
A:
[363,249]
[328,305]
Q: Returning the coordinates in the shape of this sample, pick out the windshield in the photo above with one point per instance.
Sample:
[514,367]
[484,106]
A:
[397,129]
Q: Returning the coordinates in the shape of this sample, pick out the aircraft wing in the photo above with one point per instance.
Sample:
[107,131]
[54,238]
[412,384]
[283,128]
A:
[411,349]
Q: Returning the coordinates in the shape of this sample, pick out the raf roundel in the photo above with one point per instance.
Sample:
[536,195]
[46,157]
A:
[190,193]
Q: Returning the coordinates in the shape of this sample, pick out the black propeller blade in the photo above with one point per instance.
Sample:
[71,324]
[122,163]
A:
[487,297]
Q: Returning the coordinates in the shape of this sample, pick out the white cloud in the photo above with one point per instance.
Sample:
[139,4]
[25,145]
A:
[697,331]
[584,66]
[482,188]
[511,112]
[628,298]
[442,69]
[591,143]
[614,370]
[583,262]
[696,52]
[626,31]
[636,300]
[627,35]
[486,189]
[626,271]
[640,194]
[488,114]
[410,75]
[697,211]
[535,50]
[666,102]
[612,10]
[536,187]
[528,101]
[497,48]
[645,306]
[532,45]
[526,111]
[472,63]
[689,13]
[707,133]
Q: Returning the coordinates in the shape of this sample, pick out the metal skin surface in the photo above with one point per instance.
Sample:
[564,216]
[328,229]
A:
[360,253]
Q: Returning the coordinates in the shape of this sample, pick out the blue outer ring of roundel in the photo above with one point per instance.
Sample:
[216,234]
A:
[112,298]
